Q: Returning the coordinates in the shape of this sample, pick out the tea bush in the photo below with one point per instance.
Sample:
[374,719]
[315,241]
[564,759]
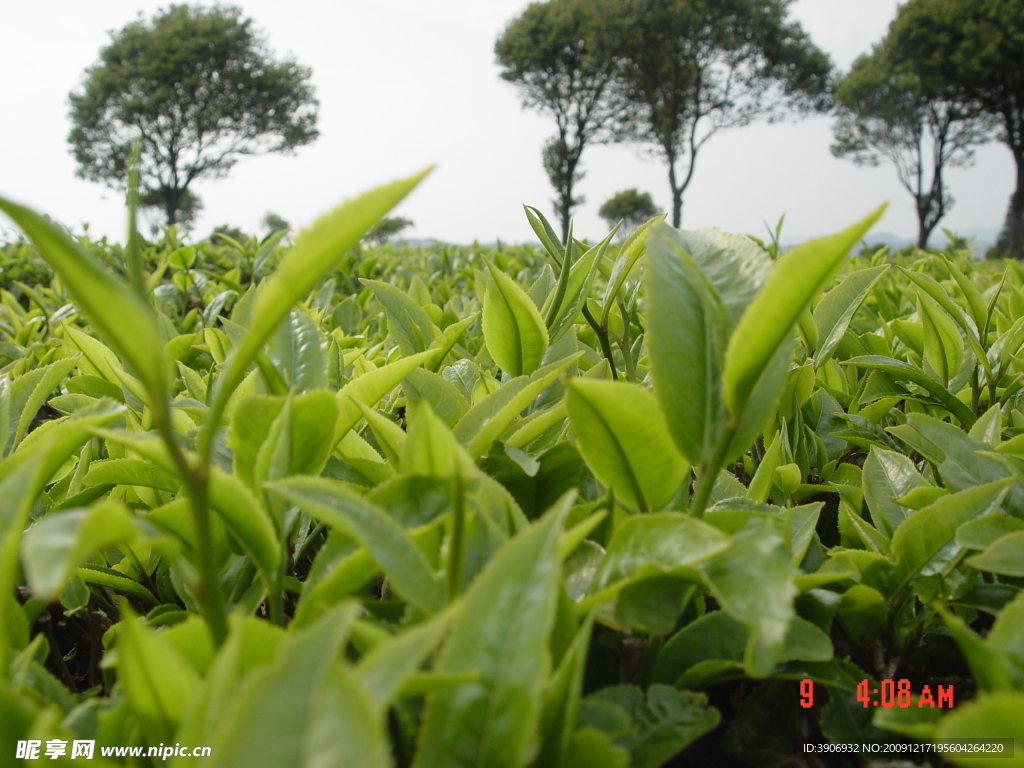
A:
[583,505]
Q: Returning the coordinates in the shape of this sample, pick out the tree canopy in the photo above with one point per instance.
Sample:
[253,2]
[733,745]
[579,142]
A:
[198,89]
[970,52]
[884,114]
[631,207]
[558,57]
[692,68]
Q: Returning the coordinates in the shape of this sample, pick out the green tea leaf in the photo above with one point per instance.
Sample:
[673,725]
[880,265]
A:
[836,309]
[502,632]
[407,322]
[158,680]
[488,419]
[1004,556]
[332,502]
[888,476]
[688,328]
[514,331]
[313,253]
[623,438]
[118,313]
[769,319]
[943,345]
[55,545]
[926,541]
[753,581]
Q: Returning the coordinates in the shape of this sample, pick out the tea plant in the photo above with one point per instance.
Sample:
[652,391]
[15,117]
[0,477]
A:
[592,505]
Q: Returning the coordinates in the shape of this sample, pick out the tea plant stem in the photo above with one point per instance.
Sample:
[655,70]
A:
[625,342]
[708,474]
[196,479]
[458,533]
[602,337]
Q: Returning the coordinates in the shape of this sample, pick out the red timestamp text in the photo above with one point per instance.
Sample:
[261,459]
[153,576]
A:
[889,694]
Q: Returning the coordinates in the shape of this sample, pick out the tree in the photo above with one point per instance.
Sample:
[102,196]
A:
[558,58]
[884,114]
[199,90]
[631,207]
[272,222]
[692,68]
[387,228]
[970,52]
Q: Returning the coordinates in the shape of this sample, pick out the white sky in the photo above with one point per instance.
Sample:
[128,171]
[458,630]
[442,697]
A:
[406,83]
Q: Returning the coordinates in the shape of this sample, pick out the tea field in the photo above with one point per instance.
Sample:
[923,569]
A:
[678,499]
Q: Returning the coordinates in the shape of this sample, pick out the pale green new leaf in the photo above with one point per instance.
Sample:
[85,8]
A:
[943,345]
[514,331]
[158,680]
[486,421]
[407,322]
[118,313]
[313,253]
[622,435]
[687,329]
[836,309]
[58,543]
[770,317]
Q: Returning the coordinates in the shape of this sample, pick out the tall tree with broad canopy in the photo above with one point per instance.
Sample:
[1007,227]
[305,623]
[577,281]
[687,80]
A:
[883,114]
[558,58]
[693,68]
[972,52]
[198,89]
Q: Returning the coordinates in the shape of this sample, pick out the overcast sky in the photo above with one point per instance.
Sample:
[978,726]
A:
[405,83]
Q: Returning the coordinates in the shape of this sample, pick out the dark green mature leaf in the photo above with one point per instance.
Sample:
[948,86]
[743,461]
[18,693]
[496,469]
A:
[655,727]
[888,476]
[925,542]
[514,331]
[647,545]
[717,636]
[407,322]
[118,313]
[502,632]
[836,309]
[623,438]
[769,319]
[1004,556]
[334,503]
[902,370]
[298,350]
[753,581]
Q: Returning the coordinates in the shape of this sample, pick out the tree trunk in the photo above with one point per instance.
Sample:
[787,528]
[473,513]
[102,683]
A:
[172,201]
[1015,217]
[565,212]
[677,197]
